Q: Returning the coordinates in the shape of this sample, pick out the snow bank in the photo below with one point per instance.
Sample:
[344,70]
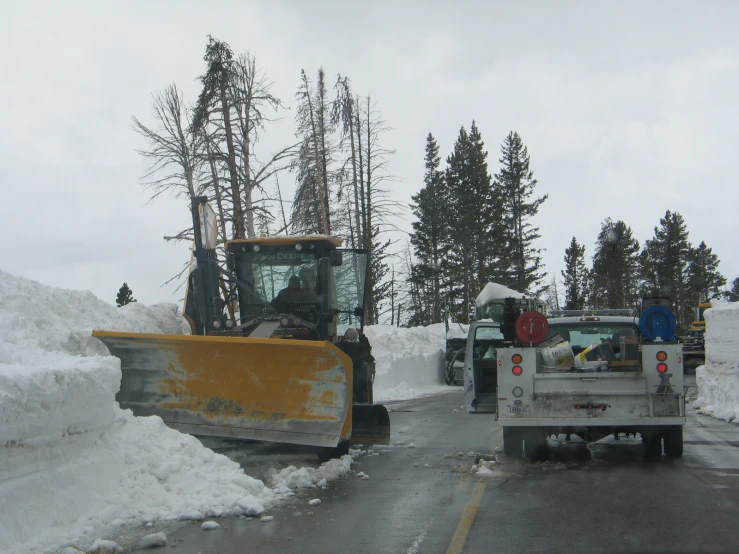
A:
[74,467]
[457,330]
[410,361]
[718,379]
[494,291]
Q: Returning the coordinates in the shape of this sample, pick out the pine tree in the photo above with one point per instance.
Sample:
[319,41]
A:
[703,280]
[430,232]
[125,296]
[665,260]
[733,294]
[517,183]
[474,222]
[615,273]
[575,276]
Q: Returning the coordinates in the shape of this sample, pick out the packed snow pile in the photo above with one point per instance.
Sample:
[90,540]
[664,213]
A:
[495,291]
[718,379]
[409,361]
[457,330]
[74,467]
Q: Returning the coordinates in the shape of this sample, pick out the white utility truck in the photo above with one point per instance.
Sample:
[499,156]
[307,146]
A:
[590,374]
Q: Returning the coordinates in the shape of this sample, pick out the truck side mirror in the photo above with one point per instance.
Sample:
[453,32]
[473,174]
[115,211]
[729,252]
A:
[335,258]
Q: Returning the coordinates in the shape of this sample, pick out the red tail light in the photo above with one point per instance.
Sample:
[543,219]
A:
[517,370]
[661,367]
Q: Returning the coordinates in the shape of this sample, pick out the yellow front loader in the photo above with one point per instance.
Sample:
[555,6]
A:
[291,367]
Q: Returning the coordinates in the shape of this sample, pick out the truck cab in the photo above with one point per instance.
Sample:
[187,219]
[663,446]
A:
[593,376]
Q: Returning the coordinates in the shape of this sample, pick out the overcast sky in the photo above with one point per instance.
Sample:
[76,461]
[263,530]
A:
[628,109]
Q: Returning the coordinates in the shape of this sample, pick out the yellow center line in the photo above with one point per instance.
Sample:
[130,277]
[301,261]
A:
[463,485]
[468,517]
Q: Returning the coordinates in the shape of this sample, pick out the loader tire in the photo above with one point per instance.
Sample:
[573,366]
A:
[673,438]
[512,442]
[329,453]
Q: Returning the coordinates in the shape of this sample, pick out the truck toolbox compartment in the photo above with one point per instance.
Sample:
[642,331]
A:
[617,384]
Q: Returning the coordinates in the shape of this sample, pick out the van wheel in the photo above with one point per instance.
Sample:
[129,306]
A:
[673,437]
[512,442]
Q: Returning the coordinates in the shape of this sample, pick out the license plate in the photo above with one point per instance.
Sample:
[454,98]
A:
[522,409]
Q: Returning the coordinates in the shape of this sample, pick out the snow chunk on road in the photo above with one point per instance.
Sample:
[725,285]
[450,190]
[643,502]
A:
[209,525]
[155,539]
[251,506]
[101,546]
[718,379]
[267,518]
[314,502]
[292,477]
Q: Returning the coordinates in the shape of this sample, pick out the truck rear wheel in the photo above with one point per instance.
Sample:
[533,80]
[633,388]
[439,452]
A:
[673,437]
[652,445]
[535,445]
[512,442]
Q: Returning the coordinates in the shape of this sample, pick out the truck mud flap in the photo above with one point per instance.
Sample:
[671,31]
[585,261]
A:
[279,390]
[370,424]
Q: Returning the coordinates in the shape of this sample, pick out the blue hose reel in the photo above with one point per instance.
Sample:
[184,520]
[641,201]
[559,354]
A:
[658,322]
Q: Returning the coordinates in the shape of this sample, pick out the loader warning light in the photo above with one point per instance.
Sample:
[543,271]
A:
[661,355]
[661,367]
[517,358]
[517,370]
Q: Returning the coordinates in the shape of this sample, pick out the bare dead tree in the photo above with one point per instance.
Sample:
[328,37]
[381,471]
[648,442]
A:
[310,128]
[173,149]
[251,96]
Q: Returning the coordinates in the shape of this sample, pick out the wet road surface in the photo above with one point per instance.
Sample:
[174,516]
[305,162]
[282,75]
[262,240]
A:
[422,496]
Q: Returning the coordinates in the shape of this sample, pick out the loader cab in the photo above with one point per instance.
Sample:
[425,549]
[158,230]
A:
[316,287]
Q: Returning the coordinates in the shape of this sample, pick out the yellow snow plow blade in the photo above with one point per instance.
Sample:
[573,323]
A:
[280,390]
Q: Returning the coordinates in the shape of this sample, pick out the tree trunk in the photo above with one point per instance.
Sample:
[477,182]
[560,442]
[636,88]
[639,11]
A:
[319,179]
[238,214]
[363,229]
[248,189]
[354,169]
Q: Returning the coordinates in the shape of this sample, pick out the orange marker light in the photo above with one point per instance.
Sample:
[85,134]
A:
[517,358]
[661,355]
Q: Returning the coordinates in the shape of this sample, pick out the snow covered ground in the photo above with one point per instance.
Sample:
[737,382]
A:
[75,468]
[718,379]
[409,361]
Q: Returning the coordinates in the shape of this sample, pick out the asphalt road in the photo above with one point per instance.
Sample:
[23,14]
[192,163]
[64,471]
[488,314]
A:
[603,497]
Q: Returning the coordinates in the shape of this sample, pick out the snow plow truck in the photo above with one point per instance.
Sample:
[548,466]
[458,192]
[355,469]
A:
[276,351]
